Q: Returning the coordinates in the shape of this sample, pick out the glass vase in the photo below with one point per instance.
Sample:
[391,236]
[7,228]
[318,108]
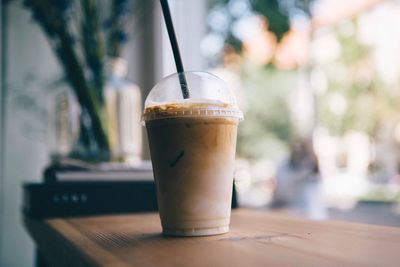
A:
[123,107]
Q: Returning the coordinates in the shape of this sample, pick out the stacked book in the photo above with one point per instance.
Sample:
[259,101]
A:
[79,189]
[74,188]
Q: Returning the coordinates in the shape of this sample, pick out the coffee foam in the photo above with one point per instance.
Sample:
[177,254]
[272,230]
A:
[192,109]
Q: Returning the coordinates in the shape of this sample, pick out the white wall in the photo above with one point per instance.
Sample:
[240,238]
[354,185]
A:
[25,151]
[189,18]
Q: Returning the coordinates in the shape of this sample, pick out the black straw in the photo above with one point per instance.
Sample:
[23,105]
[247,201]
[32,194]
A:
[175,48]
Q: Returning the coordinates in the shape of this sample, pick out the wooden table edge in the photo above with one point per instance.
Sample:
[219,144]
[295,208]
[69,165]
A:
[62,248]
[60,238]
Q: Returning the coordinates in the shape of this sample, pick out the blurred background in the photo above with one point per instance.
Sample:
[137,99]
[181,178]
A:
[318,81]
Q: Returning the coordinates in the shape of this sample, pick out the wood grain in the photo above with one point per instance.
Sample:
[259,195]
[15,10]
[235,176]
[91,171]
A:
[256,239]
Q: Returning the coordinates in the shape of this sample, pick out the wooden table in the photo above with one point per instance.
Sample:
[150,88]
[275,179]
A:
[256,239]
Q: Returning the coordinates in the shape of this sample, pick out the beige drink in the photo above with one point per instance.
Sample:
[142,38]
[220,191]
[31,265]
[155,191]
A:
[192,144]
[193,161]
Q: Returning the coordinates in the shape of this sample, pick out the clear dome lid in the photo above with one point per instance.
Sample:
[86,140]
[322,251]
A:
[208,95]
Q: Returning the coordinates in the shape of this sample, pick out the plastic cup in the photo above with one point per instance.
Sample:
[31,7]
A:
[192,145]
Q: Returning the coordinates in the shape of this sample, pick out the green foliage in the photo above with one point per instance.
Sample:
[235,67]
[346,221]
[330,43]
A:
[271,10]
[277,17]
[370,102]
[266,129]
[352,51]
[276,12]
[93,44]
[77,34]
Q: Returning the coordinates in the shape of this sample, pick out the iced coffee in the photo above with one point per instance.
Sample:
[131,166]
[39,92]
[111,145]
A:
[192,145]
